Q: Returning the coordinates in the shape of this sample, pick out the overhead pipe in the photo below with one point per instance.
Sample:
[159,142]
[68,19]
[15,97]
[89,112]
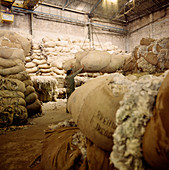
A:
[65,4]
[70,20]
[95,6]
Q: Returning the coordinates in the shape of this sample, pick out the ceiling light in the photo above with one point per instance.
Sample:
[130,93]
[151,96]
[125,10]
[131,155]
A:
[113,1]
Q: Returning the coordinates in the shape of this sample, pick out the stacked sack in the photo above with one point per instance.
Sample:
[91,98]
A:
[14,78]
[151,55]
[97,61]
[48,56]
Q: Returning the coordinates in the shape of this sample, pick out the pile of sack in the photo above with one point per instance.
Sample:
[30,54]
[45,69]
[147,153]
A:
[151,55]
[16,88]
[47,57]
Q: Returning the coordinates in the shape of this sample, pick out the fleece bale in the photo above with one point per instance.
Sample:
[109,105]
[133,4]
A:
[130,64]
[116,62]
[93,107]
[156,137]
[151,58]
[28,83]
[95,60]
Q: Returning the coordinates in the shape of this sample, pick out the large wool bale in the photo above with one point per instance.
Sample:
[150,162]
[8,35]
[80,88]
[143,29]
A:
[12,101]
[6,63]
[79,55]
[11,94]
[116,62]
[93,107]
[12,70]
[12,53]
[156,137]
[17,39]
[29,89]
[95,60]
[20,76]
[12,84]
[67,65]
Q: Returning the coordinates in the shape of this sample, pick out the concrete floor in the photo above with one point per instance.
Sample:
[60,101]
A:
[20,147]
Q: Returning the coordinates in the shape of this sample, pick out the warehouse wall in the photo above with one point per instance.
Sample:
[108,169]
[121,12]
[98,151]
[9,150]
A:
[54,23]
[154,26]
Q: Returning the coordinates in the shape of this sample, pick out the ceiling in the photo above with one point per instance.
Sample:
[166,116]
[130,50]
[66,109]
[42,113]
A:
[123,11]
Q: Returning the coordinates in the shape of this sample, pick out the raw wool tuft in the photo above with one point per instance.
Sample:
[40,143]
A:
[45,87]
[131,118]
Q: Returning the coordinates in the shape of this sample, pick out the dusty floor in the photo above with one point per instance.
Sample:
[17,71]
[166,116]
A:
[20,147]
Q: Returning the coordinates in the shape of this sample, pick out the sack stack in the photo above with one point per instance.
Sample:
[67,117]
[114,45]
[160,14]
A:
[14,78]
[151,55]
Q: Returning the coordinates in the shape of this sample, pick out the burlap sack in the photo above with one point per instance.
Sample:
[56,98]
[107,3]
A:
[20,76]
[95,60]
[32,70]
[79,55]
[57,71]
[17,39]
[30,65]
[93,107]
[67,65]
[7,63]
[31,98]
[13,70]
[12,114]
[11,94]
[6,115]
[34,108]
[116,62]
[64,155]
[38,62]
[12,53]
[28,83]
[47,70]
[156,137]
[50,44]
[20,115]
[12,84]
[29,90]
[12,101]
[44,66]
